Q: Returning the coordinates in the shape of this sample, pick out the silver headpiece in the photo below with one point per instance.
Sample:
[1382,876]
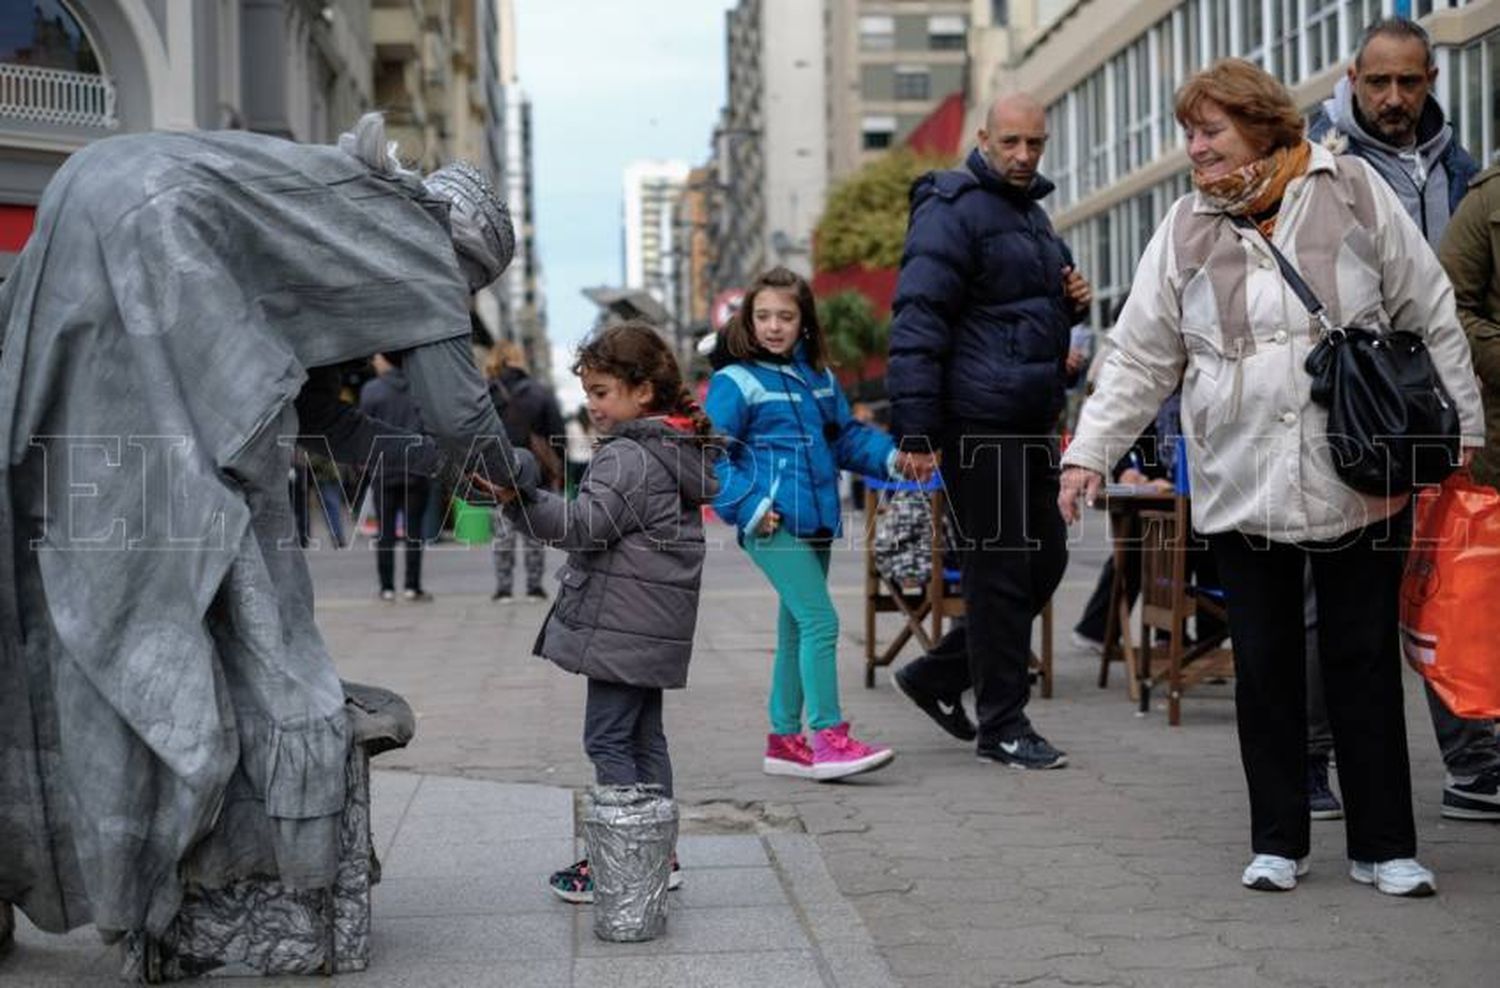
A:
[482,231]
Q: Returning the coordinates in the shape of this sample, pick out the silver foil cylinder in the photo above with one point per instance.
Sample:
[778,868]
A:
[630,833]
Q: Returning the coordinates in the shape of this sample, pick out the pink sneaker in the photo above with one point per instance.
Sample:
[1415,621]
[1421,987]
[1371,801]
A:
[788,754]
[836,755]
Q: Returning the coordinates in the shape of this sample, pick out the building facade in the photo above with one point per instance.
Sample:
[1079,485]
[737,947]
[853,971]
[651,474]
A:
[1108,71]
[889,63]
[771,145]
[75,71]
[650,190]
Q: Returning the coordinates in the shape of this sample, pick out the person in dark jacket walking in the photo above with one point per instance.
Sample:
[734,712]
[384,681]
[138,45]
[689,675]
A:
[628,601]
[387,397]
[979,345]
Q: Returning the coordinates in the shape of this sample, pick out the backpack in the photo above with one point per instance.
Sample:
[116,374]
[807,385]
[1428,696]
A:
[903,539]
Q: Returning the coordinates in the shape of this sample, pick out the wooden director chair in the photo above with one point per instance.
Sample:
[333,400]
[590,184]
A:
[923,611]
[1167,601]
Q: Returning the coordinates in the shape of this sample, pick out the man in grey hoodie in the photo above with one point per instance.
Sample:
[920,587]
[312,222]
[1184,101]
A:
[1384,112]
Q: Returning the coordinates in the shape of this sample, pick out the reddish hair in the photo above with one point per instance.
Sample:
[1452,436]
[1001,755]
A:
[1258,104]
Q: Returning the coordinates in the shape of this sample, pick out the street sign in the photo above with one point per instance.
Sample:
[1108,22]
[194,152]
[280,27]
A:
[726,304]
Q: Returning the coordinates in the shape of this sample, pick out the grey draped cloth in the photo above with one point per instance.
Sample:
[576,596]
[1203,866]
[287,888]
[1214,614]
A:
[168,710]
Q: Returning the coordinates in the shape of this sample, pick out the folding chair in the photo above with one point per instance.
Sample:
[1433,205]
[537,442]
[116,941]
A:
[1167,601]
[941,598]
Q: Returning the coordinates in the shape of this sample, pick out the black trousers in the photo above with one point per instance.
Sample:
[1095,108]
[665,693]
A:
[1013,545]
[410,498]
[623,735]
[1358,582]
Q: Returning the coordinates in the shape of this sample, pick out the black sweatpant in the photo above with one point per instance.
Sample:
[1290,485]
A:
[1358,582]
[623,736]
[410,498]
[1013,545]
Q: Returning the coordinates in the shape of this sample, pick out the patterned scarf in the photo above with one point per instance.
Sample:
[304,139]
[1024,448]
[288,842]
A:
[1256,188]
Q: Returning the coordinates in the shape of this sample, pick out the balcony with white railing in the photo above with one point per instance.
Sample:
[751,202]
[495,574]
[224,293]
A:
[58,97]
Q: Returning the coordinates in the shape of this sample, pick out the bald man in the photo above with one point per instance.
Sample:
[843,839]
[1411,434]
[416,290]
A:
[979,347]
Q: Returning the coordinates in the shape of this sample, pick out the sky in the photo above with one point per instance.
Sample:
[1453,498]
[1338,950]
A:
[609,83]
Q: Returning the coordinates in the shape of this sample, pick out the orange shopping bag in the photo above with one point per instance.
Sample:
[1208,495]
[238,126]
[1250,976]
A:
[1450,622]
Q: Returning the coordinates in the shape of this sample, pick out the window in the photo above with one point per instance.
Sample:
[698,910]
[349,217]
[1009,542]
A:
[878,132]
[912,82]
[1166,81]
[1285,28]
[1059,161]
[1253,31]
[1220,22]
[1322,18]
[46,35]
[947,33]
[877,33]
[1000,13]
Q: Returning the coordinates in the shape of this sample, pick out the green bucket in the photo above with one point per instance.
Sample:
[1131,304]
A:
[471,523]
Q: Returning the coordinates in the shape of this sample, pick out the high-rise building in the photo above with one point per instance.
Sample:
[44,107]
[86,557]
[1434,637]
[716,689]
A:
[650,190]
[771,145]
[890,62]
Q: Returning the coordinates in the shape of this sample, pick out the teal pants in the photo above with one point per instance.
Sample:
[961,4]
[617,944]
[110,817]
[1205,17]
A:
[807,633]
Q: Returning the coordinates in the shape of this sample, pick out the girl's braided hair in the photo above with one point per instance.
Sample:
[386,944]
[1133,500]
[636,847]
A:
[635,353]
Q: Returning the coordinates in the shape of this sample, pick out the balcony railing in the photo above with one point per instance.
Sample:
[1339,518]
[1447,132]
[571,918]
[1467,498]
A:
[56,96]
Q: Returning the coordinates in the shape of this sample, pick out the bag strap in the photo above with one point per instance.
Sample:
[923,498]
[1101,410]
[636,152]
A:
[1309,299]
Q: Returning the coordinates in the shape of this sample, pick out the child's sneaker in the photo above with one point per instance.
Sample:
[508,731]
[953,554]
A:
[837,756]
[788,754]
[576,885]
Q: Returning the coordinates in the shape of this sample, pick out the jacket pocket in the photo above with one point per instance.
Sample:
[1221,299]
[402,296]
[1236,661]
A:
[573,589]
[1208,383]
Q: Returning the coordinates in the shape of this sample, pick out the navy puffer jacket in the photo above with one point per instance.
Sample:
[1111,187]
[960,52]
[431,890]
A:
[979,331]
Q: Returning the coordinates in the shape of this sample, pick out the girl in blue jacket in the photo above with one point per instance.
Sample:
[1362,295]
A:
[789,433]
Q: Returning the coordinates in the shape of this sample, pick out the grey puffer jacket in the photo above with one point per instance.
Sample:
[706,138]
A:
[628,601]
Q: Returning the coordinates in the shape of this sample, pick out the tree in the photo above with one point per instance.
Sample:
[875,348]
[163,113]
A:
[855,333]
[864,222]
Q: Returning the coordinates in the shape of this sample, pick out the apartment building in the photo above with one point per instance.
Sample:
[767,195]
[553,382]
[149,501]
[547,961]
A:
[889,63]
[771,145]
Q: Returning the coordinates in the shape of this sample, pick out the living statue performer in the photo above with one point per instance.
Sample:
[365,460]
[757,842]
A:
[169,714]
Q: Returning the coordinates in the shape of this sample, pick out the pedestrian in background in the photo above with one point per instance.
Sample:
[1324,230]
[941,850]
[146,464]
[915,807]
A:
[790,432]
[1211,309]
[400,495]
[1383,112]
[981,348]
[532,421]
[628,601]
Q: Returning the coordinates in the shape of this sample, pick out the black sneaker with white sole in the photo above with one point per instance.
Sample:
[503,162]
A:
[1474,799]
[1030,750]
[949,714]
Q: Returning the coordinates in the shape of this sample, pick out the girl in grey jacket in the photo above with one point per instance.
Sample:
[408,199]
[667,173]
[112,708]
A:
[628,601]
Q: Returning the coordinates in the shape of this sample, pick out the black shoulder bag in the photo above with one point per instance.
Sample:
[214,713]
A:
[1391,423]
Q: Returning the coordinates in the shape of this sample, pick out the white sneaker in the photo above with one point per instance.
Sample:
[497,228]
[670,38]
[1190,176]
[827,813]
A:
[1273,873]
[1398,876]
[1086,644]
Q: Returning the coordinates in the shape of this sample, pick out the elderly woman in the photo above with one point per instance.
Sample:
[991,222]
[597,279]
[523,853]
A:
[1210,308]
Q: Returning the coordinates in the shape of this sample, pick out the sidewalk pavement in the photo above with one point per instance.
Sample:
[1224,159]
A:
[463,901]
[1122,869]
